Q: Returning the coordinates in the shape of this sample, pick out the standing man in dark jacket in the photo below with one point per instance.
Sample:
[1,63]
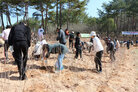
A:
[78,45]
[20,37]
[61,36]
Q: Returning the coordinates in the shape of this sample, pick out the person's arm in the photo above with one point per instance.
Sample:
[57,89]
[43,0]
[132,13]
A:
[29,36]
[79,42]
[10,38]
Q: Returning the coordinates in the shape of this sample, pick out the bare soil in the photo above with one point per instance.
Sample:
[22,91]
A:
[78,76]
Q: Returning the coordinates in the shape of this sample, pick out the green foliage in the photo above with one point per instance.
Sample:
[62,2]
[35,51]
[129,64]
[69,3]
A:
[34,24]
[91,21]
[109,25]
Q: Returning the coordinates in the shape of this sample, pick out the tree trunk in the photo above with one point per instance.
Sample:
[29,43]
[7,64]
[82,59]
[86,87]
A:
[124,24]
[68,21]
[117,23]
[42,18]
[57,15]
[114,26]
[9,19]
[133,22]
[25,18]
[26,10]
[120,28]
[8,15]
[2,22]
[46,19]
[60,15]
[17,14]
[128,24]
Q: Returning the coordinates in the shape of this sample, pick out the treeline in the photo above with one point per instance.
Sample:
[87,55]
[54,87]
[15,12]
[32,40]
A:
[119,15]
[116,16]
[56,12]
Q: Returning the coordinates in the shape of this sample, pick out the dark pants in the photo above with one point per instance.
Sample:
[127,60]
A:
[6,47]
[70,43]
[127,46]
[78,52]
[63,43]
[112,55]
[97,60]
[90,48]
[20,55]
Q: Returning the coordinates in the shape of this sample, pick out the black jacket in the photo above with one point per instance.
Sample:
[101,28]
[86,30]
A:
[77,42]
[19,32]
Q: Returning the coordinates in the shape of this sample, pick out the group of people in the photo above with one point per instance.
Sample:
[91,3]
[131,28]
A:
[19,36]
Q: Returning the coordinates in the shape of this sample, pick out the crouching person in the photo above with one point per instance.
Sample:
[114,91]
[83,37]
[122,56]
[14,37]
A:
[98,48]
[54,49]
[112,49]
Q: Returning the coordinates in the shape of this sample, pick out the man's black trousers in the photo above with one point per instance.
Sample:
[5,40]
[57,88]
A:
[97,60]
[71,43]
[78,52]
[6,47]
[21,55]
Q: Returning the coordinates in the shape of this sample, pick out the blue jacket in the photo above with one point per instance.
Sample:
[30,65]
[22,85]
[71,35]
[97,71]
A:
[57,48]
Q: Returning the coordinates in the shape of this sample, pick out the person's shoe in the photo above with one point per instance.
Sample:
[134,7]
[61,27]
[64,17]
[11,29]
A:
[24,77]
[100,70]
[7,60]
[57,71]
[20,77]
[61,68]
[14,63]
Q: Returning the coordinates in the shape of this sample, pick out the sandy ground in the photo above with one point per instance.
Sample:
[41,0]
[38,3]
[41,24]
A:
[78,75]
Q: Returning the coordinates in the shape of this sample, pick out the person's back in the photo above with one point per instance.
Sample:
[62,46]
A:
[77,42]
[58,48]
[40,33]
[61,37]
[97,44]
[71,36]
[111,46]
[5,33]
[20,33]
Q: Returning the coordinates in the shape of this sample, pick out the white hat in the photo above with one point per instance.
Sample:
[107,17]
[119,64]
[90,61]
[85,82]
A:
[93,33]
